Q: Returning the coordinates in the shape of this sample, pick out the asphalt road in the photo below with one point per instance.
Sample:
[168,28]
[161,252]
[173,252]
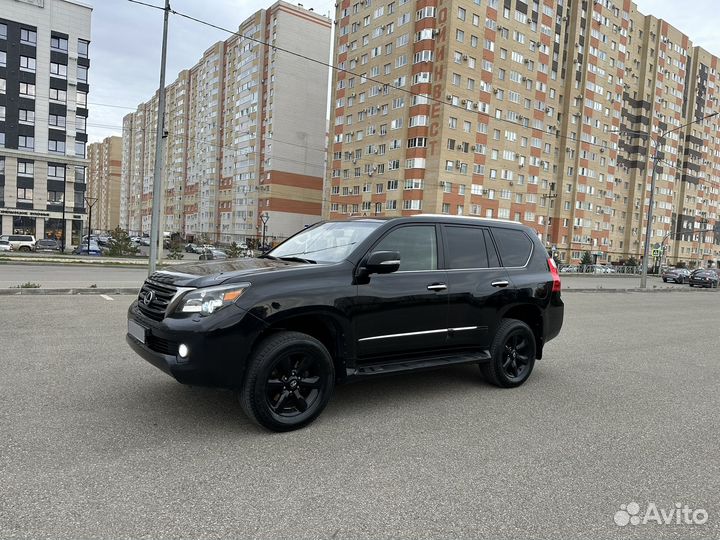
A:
[96,443]
[75,276]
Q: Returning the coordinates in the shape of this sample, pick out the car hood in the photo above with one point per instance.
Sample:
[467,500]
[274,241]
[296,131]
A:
[208,273]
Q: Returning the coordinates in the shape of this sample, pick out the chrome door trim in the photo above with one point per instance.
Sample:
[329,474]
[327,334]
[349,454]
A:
[406,334]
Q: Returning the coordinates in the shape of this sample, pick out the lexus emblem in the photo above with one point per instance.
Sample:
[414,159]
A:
[148,298]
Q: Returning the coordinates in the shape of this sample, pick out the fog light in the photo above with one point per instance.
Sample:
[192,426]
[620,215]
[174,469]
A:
[183,350]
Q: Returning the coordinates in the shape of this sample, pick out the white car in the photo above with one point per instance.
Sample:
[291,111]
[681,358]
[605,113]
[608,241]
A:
[20,242]
[5,245]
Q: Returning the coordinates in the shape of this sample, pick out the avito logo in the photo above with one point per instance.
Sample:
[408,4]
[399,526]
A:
[679,514]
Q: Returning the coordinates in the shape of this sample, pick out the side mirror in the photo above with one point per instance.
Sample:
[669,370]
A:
[382,262]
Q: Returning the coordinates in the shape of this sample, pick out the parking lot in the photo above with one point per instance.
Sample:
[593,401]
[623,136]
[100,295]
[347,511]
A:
[94,442]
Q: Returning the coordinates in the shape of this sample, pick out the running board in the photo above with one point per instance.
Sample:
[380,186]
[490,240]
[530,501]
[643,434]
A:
[419,364]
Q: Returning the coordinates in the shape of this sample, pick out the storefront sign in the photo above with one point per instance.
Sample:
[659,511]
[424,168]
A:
[38,213]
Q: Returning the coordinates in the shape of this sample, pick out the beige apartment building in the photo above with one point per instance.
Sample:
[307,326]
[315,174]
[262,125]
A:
[545,113]
[104,182]
[245,145]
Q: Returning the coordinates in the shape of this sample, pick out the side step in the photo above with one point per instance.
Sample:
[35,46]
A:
[399,366]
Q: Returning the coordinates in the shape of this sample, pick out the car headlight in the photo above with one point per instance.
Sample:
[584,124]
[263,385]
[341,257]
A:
[208,301]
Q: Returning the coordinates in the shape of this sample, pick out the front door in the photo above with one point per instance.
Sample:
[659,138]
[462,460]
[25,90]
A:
[405,312]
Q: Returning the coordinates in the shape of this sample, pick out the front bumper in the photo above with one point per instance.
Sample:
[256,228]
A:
[218,351]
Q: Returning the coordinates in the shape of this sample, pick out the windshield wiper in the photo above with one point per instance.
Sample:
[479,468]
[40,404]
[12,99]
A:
[296,259]
[266,256]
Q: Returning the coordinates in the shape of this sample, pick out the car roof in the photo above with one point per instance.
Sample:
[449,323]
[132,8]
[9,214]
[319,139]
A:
[434,218]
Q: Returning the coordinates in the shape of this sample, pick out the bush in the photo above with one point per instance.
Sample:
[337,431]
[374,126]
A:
[587,258]
[234,251]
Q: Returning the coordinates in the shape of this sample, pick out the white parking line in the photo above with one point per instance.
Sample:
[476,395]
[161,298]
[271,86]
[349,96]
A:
[106,297]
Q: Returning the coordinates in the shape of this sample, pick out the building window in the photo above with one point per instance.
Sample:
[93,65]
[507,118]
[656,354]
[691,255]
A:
[28,37]
[80,148]
[56,121]
[25,168]
[3,59]
[3,85]
[27,63]
[55,197]
[59,44]
[81,99]
[25,195]
[56,147]
[27,90]
[82,74]
[3,31]
[27,143]
[56,172]
[58,70]
[2,145]
[80,175]
[58,95]
[83,48]
[2,112]
[26,117]
[80,124]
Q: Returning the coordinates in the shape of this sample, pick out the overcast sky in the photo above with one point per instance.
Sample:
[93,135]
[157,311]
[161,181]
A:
[126,40]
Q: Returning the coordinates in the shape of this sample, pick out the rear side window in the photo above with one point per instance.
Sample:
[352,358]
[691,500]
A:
[465,247]
[514,246]
[417,245]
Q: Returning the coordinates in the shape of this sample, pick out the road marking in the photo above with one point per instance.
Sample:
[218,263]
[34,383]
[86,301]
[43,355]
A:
[106,297]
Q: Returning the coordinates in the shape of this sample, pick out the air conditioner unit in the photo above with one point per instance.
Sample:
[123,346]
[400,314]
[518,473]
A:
[448,97]
[457,164]
[524,79]
[464,56]
[464,102]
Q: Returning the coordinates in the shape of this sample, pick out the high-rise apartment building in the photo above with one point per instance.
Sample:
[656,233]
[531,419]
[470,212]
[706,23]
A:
[44,65]
[545,112]
[246,139]
[103,185]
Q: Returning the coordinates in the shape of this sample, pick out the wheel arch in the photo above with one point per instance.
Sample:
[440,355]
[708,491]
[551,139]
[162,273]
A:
[531,316]
[325,326]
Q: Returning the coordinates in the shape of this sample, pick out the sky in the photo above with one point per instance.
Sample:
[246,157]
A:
[127,38]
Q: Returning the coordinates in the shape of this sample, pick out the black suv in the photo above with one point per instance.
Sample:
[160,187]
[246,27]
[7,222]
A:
[345,300]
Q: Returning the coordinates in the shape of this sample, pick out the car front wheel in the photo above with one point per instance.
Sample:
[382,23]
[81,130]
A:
[288,382]
[512,355]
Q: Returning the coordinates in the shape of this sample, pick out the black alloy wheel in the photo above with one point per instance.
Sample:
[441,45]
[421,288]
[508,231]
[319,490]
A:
[512,355]
[289,381]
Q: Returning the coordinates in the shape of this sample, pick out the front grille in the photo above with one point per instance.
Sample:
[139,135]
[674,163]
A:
[161,345]
[161,295]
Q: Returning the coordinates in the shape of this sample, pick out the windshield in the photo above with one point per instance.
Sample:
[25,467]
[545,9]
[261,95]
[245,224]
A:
[327,242]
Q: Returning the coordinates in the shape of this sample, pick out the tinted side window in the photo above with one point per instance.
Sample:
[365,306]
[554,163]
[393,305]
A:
[491,251]
[465,247]
[416,244]
[515,247]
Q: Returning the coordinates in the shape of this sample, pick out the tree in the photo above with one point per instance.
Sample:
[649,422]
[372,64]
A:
[587,258]
[234,251]
[176,248]
[120,244]
[632,261]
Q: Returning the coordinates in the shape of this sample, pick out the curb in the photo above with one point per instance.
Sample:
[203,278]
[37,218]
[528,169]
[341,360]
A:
[634,290]
[84,290]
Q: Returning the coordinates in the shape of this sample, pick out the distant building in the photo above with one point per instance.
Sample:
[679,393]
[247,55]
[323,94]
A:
[538,112]
[44,64]
[104,182]
[245,135]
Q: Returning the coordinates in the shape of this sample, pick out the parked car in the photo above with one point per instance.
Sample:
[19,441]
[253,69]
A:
[20,242]
[5,245]
[212,254]
[47,244]
[345,300]
[569,269]
[704,278]
[190,248]
[82,249]
[676,275]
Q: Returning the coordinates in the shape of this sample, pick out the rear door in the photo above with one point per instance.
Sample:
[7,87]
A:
[404,312]
[477,285]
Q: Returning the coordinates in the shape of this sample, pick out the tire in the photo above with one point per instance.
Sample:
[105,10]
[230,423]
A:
[514,340]
[288,382]
[24,249]
[664,280]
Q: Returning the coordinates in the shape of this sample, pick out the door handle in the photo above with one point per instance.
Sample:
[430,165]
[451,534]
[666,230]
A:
[437,287]
[501,283]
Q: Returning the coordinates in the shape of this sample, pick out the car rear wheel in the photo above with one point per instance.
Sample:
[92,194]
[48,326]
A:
[24,249]
[288,382]
[512,355]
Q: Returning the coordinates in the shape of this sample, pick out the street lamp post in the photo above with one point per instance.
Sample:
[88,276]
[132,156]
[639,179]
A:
[264,218]
[657,159]
[90,201]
